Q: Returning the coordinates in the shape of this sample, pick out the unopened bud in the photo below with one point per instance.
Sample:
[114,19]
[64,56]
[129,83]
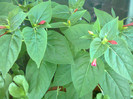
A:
[94,63]
[42,22]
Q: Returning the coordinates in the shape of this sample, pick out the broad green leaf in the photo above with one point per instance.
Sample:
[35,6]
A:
[36,43]
[84,76]
[76,33]
[76,16]
[110,30]
[103,16]
[16,17]
[114,85]
[55,95]
[76,3]
[62,72]
[39,79]
[4,89]
[58,50]
[97,48]
[72,94]
[9,49]
[120,59]
[61,11]
[87,16]
[6,8]
[127,35]
[40,12]
[19,88]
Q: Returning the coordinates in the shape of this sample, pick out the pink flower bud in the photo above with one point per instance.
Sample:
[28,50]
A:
[130,24]
[94,63]
[75,10]
[112,42]
[42,22]
[3,27]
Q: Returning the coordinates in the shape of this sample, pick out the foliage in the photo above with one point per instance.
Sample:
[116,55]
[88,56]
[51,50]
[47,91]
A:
[54,51]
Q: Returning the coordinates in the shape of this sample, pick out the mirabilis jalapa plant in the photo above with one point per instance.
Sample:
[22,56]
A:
[53,51]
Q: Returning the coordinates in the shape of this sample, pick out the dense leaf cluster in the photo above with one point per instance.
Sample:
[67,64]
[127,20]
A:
[54,51]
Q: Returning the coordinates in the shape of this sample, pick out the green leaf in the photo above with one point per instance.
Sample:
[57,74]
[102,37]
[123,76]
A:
[100,96]
[76,16]
[16,17]
[84,76]
[114,85]
[10,46]
[97,49]
[19,88]
[58,25]
[62,72]
[96,27]
[72,94]
[110,30]
[127,35]
[103,16]
[120,59]
[61,11]
[36,43]
[76,3]
[1,81]
[6,8]
[39,78]
[58,50]
[113,13]
[55,95]
[75,35]
[4,90]
[87,16]
[40,12]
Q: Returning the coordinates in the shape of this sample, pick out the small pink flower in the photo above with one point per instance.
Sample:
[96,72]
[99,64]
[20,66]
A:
[3,27]
[94,63]
[112,42]
[130,24]
[42,22]
[75,10]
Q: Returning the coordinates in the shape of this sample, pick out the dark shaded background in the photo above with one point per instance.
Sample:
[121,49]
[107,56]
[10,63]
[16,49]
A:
[120,6]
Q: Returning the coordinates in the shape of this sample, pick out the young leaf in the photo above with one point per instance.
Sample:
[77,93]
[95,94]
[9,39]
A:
[36,42]
[114,85]
[97,49]
[119,58]
[103,16]
[61,11]
[110,30]
[75,33]
[19,88]
[84,76]
[16,17]
[40,12]
[97,27]
[40,78]
[58,50]
[113,13]
[10,46]
[76,16]
[62,72]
